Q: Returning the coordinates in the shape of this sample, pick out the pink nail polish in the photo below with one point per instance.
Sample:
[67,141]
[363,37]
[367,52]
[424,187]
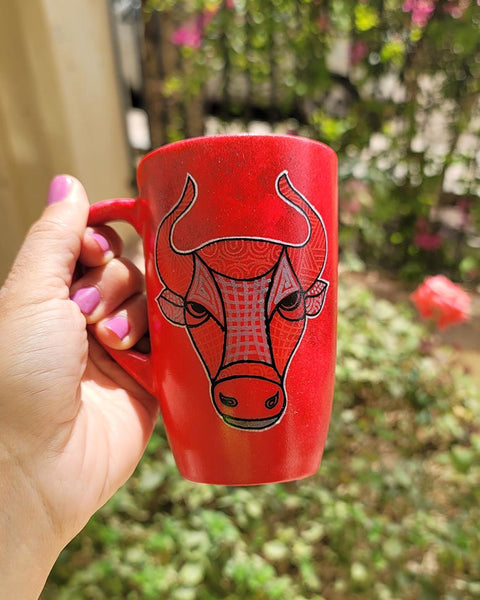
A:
[119,325]
[87,299]
[60,187]
[101,241]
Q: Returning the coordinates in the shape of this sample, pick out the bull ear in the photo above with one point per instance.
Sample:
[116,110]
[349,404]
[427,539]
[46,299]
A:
[315,298]
[172,307]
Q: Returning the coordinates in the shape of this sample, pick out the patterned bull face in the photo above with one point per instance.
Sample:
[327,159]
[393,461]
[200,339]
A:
[244,302]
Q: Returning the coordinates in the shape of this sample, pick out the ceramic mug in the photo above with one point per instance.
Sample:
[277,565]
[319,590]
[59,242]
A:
[240,243]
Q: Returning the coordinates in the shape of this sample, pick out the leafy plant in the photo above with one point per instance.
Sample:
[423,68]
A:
[392,86]
[392,513]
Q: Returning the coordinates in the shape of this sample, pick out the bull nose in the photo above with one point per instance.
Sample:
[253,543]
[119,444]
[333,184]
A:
[272,402]
[249,402]
[228,400]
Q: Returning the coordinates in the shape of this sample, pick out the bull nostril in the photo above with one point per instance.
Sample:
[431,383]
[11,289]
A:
[272,401]
[228,401]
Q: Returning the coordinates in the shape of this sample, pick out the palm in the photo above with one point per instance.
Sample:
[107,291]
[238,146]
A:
[101,445]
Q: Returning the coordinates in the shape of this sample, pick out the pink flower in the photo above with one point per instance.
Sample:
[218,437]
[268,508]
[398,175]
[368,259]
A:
[358,51]
[456,8]
[189,35]
[441,300]
[425,239]
[421,10]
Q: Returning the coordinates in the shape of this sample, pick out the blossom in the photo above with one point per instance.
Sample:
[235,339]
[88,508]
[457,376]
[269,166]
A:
[189,35]
[358,51]
[442,301]
[456,8]
[421,10]
[425,239]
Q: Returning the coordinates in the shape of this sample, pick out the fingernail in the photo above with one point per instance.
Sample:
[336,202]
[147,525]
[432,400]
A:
[87,299]
[119,325]
[101,241]
[60,187]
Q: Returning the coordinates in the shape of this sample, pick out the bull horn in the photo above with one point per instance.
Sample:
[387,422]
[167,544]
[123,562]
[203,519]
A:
[174,269]
[308,261]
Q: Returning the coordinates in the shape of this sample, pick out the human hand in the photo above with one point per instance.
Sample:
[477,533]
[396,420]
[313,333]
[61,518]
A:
[73,424]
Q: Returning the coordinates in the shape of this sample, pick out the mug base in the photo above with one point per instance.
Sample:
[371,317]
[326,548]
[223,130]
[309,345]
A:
[247,482]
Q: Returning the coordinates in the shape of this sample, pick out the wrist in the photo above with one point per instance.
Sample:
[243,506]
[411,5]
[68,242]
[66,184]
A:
[28,548]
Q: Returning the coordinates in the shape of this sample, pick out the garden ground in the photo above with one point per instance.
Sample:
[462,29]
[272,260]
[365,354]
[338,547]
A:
[463,337]
[392,513]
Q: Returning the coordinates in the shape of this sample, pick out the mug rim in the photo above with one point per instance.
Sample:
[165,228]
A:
[193,141]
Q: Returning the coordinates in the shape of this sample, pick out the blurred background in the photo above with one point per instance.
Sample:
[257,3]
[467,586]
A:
[88,87]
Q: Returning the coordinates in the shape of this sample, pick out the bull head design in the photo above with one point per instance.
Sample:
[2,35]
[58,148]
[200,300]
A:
[244,302]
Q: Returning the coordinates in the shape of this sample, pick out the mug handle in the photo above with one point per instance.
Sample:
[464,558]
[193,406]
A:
[138,365]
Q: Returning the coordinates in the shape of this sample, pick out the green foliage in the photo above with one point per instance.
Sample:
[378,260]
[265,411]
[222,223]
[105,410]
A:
[392,513]
[412,87]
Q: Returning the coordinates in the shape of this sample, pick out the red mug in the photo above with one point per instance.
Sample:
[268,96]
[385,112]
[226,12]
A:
[240,243]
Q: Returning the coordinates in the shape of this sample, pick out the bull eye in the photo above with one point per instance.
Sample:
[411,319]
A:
[197,310]
[292,301]
[292,307]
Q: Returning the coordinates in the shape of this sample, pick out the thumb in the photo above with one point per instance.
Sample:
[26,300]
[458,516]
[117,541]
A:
[45,264]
